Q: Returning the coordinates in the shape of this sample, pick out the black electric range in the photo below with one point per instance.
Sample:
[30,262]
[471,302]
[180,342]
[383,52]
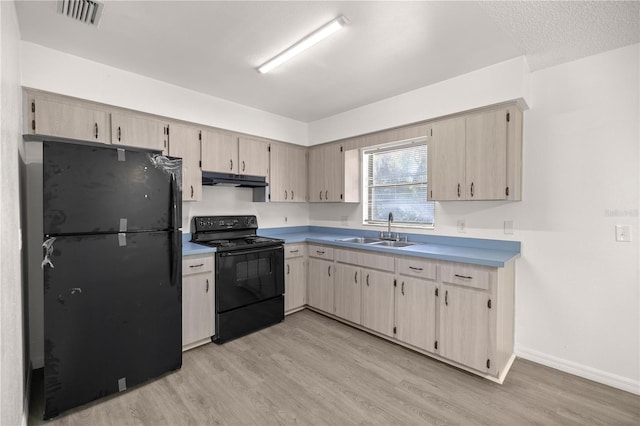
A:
[249,274]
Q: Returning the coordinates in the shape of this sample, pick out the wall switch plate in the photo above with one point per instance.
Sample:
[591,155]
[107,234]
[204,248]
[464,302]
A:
[623,233]
[508,227]
[462,225]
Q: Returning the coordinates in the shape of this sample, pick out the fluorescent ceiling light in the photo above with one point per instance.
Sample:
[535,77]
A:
[304,44]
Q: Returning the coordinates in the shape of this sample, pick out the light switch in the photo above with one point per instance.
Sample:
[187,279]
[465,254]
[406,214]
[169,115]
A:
[623,233]
[462,225]
[508,227]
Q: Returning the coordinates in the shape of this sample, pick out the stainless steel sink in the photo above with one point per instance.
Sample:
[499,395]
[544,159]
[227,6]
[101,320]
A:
[361,240]
[393,243]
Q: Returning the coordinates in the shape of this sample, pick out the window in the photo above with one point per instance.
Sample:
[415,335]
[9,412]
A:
[395,180]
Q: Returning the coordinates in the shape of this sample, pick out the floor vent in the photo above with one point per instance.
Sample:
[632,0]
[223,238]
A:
[86,11]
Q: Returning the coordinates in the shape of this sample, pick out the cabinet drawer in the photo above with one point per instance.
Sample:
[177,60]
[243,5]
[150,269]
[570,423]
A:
[417,268]
[466,275]
[197,264]
[321,251]
[294,250]
[366,259]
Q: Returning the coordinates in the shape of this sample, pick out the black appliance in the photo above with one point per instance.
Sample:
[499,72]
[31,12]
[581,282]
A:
[112,271]
[249,274]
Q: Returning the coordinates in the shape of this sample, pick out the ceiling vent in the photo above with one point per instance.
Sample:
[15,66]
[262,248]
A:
[86,11]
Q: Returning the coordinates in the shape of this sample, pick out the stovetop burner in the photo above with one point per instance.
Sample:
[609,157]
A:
[229,233]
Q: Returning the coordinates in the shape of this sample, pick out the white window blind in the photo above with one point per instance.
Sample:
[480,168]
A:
[395,180]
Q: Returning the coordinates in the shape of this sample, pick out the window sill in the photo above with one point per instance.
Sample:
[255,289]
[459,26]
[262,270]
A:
[398,225]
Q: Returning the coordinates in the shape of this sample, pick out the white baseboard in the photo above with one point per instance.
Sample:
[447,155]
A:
[580,370]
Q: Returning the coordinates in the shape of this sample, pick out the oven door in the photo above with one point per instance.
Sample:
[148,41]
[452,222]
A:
[245,277]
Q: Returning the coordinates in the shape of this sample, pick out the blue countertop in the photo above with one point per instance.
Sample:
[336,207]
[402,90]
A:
[476,251]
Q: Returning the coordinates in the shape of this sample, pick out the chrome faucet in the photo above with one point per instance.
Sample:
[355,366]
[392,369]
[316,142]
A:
[389,224]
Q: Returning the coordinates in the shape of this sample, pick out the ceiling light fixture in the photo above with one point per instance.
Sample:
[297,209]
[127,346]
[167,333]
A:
[304,44]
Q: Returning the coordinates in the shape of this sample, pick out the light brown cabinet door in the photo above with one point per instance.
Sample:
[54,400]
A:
[295,288]
[253,157]
[333,173]
[298,174]
[347,292]
[377,301]
[446,160]
[279,179]
[197,308]
[219,152]
[320,284]
[316,174]
[69,121]
[464,326]
[185,143]
[139,132]
[416,312]
[486,155]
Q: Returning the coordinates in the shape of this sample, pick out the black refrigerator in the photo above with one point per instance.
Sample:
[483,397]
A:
[112,271]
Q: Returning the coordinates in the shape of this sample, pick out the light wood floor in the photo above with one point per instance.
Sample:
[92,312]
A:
[313,370]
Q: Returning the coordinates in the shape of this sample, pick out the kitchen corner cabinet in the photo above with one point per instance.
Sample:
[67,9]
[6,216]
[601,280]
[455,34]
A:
[287,173]
[477,156]
[321,278]
[184,142]
[198,288]
[68,120]
[334,175]
[138,132]
[295,283]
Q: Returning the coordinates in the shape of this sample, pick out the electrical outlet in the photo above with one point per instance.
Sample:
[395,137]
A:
[623,233]
[286,219]
[462,225]
[508,227]
[344,220]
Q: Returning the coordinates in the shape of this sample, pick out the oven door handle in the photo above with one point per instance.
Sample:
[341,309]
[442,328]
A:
[250,251]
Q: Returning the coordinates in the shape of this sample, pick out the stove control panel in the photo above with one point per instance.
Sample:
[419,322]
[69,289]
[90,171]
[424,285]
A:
[222,223]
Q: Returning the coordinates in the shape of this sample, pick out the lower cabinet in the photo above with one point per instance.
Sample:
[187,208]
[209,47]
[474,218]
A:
[377,301]
[416,312]
[295,282]
[198,288]
[320,280]
[347,292]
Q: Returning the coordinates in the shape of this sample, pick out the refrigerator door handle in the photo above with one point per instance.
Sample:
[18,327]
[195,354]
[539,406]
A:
[176,259]
[176,220]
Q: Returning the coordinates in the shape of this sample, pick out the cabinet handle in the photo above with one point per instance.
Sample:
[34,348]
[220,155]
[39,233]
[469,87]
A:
[288,269]
[355,277]
[367,280]
[326,195]
[95,126]
[446,298]
[472,189]
[292,195]
[196,266]
[415,269]
[294,251]
[285,195]
[230,164]
[464,277]
[320,195]
[243,165]
[329,270]
[191,191]
[119,133]
[402,288]
[207,291]
[320,252]
[458,190]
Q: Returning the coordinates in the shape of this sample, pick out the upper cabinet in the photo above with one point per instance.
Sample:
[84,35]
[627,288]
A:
[219,152]
[334,175]
[184,142]
[139,132]
[476,157]
[287,173]
[224,152]
[68,120]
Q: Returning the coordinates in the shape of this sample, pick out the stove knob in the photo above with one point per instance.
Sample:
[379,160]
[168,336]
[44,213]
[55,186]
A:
[251,221]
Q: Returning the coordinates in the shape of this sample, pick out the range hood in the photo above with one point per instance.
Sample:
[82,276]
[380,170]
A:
[257,183]
[226,179]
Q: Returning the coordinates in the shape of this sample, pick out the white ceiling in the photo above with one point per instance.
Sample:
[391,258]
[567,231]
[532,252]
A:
[389,47]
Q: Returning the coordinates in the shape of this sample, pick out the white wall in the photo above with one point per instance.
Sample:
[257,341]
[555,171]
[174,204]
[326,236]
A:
[48,69]
[577,291]
[11,327]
